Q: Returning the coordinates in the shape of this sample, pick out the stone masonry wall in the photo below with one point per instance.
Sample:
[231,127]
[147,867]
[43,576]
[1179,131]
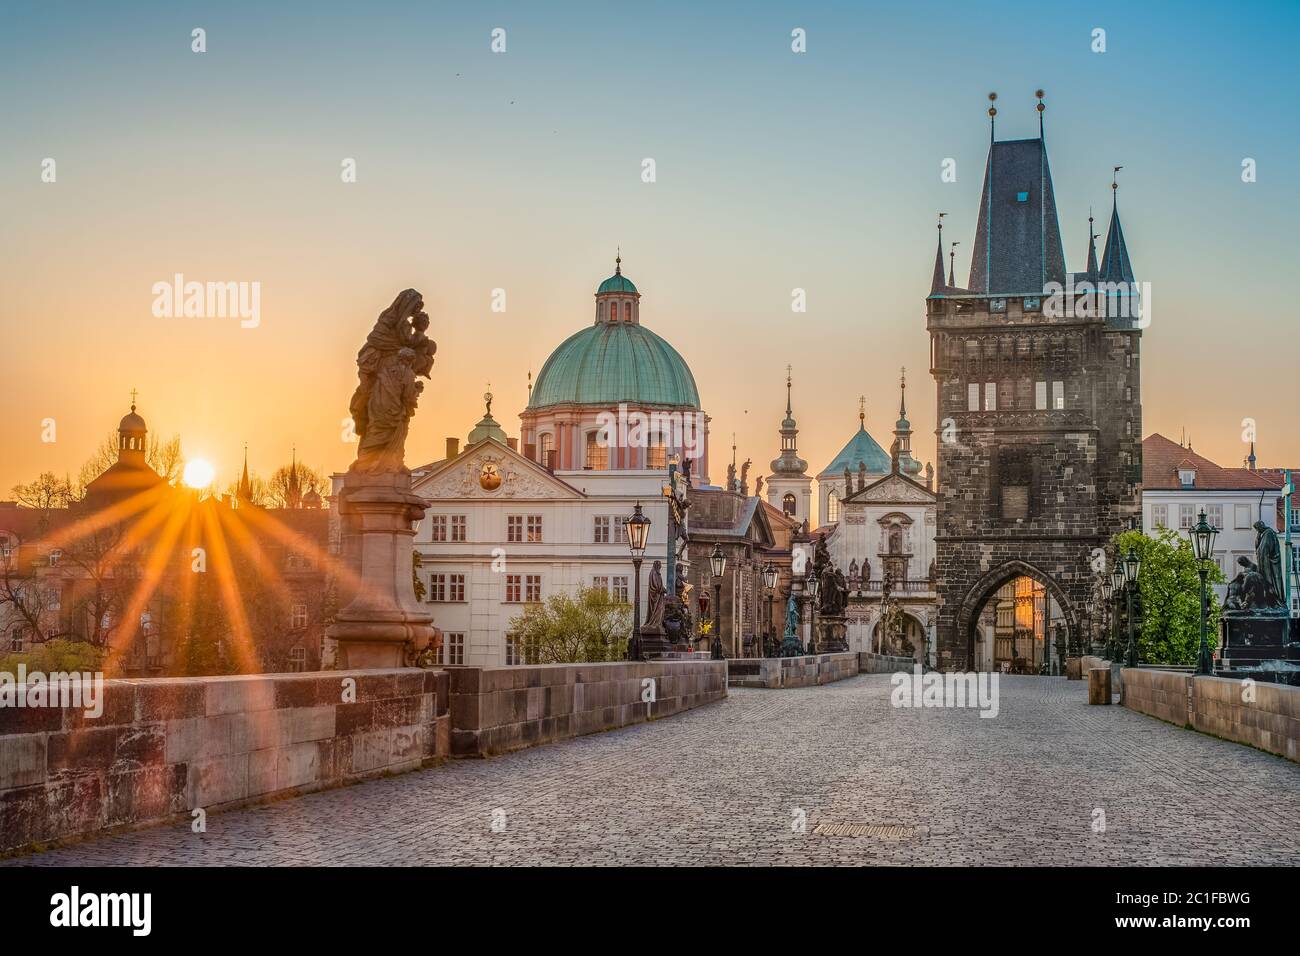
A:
[786,672]
[1214,705]
[495,710]
[164,747]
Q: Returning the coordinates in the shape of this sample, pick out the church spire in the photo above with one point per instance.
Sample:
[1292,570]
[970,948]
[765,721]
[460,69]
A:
[789,464]
[245,490]
[952,262]
[1093,271]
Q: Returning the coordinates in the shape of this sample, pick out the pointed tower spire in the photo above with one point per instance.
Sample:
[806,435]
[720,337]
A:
[1093,271]
[903,460]
[993,112]
[937,284]
[618,260]
[245,490]
[952,262]
[1040,94]
[1115,265]
[789,465]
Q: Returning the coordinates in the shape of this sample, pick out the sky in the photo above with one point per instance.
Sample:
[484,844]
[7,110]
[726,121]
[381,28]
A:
[522,171]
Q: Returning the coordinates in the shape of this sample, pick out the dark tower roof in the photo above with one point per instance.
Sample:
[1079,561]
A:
[1115,266]
[937,285]
[1093,271]
[1018,237]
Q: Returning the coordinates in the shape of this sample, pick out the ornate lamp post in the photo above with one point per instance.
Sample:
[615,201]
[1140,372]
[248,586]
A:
[1202,535]
[1117,591]
[1132,565]
[769,581]
[1105,604]
[810,588]
[638,530]
[718,563]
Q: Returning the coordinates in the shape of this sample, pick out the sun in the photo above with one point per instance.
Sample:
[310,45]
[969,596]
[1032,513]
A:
[198,473]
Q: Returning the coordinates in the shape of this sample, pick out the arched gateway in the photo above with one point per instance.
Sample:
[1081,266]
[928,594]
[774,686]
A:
[1051,620]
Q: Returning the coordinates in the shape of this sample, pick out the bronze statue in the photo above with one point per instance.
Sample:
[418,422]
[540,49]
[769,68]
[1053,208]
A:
[654,614]
[1247,591]
[395,352]
[1268,557]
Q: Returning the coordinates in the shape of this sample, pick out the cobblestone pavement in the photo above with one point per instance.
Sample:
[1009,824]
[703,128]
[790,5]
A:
[721,784]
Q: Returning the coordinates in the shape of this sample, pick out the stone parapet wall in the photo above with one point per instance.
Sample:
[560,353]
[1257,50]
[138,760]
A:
[1215,705]
[786,672]
[869,663]
[163,748]
[495,710]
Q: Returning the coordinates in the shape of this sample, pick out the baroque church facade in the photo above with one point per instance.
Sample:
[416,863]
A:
[1039,408]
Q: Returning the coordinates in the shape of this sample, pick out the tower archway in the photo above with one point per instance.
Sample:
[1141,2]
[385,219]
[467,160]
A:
[1034,620]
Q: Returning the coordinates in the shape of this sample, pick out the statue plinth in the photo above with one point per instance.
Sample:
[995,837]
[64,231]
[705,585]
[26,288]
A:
[1249,637]
[832,635]
[382,624]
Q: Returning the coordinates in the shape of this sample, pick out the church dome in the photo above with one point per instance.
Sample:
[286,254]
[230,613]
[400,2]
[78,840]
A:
[861,448]
[131,422]
[609,363]
[615,360]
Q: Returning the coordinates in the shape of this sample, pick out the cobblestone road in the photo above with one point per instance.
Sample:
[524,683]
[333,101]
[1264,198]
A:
[721,785]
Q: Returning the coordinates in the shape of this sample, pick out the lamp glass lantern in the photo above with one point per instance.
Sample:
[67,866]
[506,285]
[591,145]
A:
[638,529]
[717,561]
[1132,565]
[811,584]
[1105,589]
[1202,535]
[1117,578]
[769,576]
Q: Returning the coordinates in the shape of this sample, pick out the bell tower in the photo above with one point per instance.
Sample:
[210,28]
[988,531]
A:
[790,487]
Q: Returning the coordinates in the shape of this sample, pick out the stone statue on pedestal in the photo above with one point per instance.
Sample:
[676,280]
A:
[654,614]
[380,623]
[1268,556]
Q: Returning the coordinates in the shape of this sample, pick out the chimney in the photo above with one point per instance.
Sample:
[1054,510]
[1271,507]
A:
[550,460]
[513,443]
[453,447]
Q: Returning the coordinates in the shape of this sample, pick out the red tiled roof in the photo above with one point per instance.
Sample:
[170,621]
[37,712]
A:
[1162,458]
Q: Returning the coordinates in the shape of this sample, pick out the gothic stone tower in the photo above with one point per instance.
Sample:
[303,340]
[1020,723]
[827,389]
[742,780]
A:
[1039,408]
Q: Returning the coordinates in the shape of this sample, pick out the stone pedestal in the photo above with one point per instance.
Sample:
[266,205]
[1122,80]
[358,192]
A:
[1250,637]
[654,643]
[832,635]
[1074,668]
[380,622]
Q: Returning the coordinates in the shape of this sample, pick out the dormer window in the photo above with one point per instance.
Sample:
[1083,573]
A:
[1187,477]
[1022,196]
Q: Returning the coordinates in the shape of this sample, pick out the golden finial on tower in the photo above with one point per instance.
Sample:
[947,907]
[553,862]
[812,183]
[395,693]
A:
[862,410]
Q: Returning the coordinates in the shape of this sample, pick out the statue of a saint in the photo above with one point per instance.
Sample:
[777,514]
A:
[1268,556]
[654,614]
[1246,591]
[395,352]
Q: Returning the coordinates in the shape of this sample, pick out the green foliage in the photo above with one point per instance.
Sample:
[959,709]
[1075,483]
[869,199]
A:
[1168,603]
[54,656]
[415,576]
[568,628]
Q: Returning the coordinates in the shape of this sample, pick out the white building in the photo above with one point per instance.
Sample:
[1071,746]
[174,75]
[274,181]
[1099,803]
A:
[1177,484]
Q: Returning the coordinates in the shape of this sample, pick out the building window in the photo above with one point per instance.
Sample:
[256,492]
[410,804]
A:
[601,582]
[532,588]
[620,530]
[514,529]
[832,507]
[545,444]
[1160,516]
[446,587]
[1186,516]
[597,453]
[1015,481]
[535,529]
[788,504]
[1187,477]
[512,651]
[657,453]
[1058,395]
[1214,515]
[297,660]
[453,649]
[600,533]
[514,586]
[620,591]
[997,305]
[973,397]
[437,588]
[1040,396]
[1241,517]
[437,527]
[298,616]
[54,598]
[458,524]
[17,638]
[54,557]
[990,396]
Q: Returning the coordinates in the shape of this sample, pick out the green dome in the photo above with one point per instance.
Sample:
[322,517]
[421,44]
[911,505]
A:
[615,362]
[616,283]
[861,448]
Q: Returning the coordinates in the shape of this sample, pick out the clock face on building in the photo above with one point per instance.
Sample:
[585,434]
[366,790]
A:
[489,476]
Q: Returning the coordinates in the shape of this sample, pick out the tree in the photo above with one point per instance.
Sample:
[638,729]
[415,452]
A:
[288,483]
[1169,595]
[259,494]
[566,628]
[46,495]
[415,576]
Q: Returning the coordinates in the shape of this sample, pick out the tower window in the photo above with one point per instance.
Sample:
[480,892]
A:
[990,396]
[597,454]
[832,507]
[973,397]
[788,504]
[1022,197]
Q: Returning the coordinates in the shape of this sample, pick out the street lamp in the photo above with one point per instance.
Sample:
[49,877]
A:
[810,588]
[1105,603]
[1117,591]
[769,581]
[718,564]
[1202,535]
[1132,565]
[638,529]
